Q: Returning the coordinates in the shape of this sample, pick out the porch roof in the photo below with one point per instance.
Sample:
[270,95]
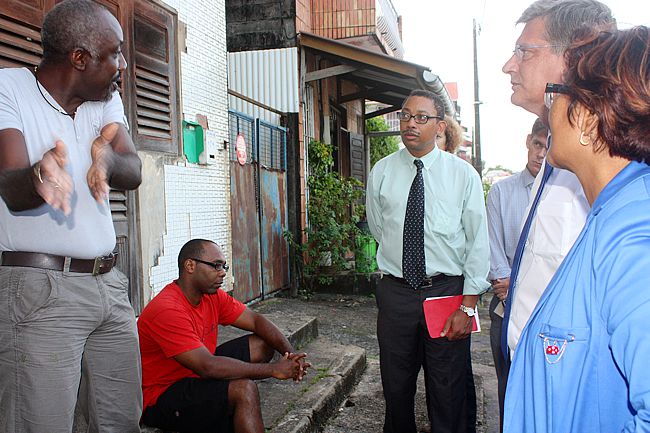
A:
[381,78]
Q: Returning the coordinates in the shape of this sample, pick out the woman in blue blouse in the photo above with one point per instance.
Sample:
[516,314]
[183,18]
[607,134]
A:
[583,361]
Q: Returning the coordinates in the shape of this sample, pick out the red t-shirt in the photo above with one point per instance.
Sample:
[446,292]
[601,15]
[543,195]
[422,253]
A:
[169,325]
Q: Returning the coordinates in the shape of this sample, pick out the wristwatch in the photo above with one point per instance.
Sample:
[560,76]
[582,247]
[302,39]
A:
[467,310]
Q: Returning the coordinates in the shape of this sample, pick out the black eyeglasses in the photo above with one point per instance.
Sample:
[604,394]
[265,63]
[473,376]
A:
[216,265]
[551,91]
[403,116]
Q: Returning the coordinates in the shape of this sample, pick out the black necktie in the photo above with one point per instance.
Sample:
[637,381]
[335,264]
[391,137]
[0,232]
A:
[413,266]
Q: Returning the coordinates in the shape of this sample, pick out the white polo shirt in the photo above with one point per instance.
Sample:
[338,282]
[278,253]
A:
[88,230]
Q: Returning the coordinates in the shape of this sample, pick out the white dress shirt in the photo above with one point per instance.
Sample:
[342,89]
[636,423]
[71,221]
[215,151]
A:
[560,217]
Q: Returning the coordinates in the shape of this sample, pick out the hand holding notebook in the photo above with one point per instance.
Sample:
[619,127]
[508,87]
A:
[438,309]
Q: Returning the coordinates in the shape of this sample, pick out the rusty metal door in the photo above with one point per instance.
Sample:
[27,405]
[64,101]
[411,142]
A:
[243,210]
[271,144]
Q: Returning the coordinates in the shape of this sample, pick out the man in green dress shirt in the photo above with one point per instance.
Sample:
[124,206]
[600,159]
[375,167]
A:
[450,241]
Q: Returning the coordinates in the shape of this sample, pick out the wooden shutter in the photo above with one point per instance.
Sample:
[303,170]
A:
[155,65]
[27,12]
[20,26]
[357,157]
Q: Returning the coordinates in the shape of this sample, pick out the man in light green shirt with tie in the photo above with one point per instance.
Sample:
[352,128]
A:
[425,208]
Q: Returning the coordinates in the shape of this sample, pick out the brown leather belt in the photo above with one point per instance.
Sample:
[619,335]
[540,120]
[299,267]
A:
[427,282]
[98,265]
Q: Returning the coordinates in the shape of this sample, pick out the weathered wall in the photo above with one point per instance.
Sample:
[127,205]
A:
[260,24]
[179,200]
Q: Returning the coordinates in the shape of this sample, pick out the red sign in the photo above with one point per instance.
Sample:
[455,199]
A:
[240,149]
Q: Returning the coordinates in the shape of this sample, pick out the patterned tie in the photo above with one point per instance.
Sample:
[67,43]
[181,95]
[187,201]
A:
[516,261]
[413,266]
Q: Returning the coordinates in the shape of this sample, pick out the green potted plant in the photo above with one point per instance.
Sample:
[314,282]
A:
[332,211]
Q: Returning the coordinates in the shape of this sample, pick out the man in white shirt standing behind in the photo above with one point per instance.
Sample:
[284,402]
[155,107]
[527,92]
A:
[506,208]
[561,208]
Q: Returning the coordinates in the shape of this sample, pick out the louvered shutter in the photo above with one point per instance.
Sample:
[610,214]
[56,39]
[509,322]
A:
[152,88]
[20,39]
[156,122]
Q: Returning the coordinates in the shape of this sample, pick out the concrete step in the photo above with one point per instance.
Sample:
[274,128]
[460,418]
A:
[299,329]
[306,407]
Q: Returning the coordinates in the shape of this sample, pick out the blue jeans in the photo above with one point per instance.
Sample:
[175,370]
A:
[65,335]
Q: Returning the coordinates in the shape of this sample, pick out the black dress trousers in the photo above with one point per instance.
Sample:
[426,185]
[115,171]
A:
[405,347]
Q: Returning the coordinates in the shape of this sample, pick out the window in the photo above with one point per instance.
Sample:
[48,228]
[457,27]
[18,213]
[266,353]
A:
[150,86]
[149,91]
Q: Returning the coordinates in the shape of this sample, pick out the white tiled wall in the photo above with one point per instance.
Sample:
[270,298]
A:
[196,201]
[197,198]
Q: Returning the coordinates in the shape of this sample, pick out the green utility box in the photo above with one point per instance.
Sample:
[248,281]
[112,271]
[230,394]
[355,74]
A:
[192,141]
[365,253]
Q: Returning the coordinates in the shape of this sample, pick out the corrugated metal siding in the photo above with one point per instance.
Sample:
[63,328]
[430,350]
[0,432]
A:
[388,29]
[267,76]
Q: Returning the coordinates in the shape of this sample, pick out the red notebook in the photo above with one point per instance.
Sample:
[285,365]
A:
[437,310]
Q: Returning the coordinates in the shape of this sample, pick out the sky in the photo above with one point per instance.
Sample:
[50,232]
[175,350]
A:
[438,34]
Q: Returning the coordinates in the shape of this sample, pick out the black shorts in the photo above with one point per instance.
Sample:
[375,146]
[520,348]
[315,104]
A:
[195,405]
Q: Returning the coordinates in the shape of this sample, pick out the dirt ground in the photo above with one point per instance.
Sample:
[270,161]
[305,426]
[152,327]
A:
[352,320]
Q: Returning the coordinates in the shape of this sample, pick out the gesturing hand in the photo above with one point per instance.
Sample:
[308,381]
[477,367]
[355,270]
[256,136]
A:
[101,153]
[51,181]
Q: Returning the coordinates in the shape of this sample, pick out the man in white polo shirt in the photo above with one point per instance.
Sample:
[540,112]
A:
[65,319]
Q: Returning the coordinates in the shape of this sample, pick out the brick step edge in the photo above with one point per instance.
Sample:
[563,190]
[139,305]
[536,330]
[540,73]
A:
[323,398]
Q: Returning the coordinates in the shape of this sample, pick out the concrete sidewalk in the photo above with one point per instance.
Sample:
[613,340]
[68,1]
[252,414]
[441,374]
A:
[351,320]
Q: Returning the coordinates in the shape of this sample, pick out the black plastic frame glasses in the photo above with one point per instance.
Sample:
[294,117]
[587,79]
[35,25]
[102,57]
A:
[217,266]
[403,116]
[552,90]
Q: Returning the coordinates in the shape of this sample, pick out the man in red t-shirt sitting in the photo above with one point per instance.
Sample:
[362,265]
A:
[190,384]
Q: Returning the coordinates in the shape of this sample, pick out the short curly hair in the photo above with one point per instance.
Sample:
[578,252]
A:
[72,24]
[609,74]
[437,101]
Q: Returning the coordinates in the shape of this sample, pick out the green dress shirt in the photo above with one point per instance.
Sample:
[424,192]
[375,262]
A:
[455,224]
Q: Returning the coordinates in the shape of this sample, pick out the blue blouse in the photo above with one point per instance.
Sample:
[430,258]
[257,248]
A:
[583,361]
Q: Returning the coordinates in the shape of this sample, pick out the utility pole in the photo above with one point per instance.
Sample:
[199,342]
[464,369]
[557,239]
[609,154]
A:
[476,157]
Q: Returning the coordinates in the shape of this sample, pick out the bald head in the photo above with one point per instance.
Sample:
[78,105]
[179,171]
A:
[194,248]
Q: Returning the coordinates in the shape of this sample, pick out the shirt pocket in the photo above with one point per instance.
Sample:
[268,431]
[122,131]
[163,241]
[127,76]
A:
[553,233]
[564,351]
[557,343]
[444,219]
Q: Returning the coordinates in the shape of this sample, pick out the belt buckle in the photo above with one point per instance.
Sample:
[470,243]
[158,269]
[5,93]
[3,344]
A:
[426,283]
[97,265]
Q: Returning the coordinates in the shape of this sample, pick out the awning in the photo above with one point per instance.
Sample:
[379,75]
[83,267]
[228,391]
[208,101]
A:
[381,78]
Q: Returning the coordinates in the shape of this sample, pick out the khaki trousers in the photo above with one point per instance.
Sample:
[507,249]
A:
[65,335]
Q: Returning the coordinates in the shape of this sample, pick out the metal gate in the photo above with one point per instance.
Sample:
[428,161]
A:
[258,208]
